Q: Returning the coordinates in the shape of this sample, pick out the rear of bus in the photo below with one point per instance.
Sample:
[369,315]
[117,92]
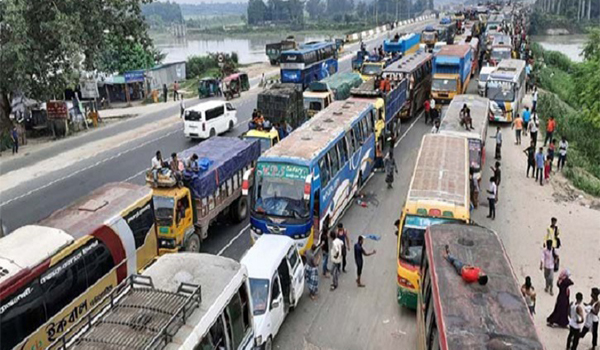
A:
[438,193]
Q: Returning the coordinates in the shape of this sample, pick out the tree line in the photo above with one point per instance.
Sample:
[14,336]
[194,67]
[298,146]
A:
[573,9]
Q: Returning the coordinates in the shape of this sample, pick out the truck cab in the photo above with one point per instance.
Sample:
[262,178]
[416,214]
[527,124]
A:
[371,69]
[314,101]
[429,36]
[175,219]
[267,139]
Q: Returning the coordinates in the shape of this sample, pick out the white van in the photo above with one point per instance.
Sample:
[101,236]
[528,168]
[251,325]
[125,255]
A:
[276,278]
[209,119]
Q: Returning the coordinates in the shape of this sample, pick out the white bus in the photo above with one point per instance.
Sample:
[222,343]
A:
[183,301]
[506,88]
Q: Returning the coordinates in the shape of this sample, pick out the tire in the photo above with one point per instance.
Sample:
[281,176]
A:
[213,133]
[239,209]
[269,344]
[193,244]
[231,125]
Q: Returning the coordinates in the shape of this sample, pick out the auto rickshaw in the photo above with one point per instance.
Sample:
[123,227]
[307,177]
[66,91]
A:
[235,84]
[208,87]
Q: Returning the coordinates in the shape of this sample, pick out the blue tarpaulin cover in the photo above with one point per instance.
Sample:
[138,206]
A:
[228,156]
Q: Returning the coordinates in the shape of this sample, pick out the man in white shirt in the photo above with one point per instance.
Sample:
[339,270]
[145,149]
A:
[533,128]
[563,146]
[156,166]
[534,99]
[492,192]
[336,258]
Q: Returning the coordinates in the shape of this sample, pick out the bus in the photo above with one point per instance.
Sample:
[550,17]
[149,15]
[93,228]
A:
[303,184]
[55,271]
[506,88]
[454,315]
[311,62]
[438,192]
[417,69]
[182,301]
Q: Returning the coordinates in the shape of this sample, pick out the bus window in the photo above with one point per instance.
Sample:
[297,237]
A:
[335,163]
[371,120]
[245,307]
[343,152]
[358,138]
[217,334]
[24,316]
[140,222]
[98,262]
[350,142]
[64,282]
[324,169]
[235,321]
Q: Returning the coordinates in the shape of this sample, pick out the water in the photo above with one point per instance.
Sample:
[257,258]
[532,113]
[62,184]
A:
[570,45]
[249,50]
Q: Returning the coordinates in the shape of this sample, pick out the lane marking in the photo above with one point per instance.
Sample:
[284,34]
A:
[231,241]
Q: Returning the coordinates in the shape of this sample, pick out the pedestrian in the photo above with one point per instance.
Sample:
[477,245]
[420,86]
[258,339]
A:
[165,92]
[560,314]
[312,271]
[325,252]
[498,138]
[547,265]
[181,108]
[575,322]
[539,166]
[591,320]
[427,106]
[547,170]
[550,127]
[432,106]
[517,124]
[528,293]
[336,259]
[526,119]
[534,99]
[14,136]
[492,192]
[378,157]
[550,152]
[553,233]
[390,167]
[468,273]
[359,251]
[475,190]
[563,146]
[497,172]
[342,234]
[263,81]
[534,124]
[530,153]
[175,91]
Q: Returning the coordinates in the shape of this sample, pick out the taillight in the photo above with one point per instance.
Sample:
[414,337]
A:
[405,283]
[203,127]
[435,212]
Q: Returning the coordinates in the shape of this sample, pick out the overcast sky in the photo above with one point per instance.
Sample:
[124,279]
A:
[205,1]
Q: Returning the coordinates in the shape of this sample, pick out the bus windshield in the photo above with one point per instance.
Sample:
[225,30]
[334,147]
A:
[413,237]
[500,91]
[443,85]
[163,207]
[279,190]
[259,289]
[371,69]
[500,54]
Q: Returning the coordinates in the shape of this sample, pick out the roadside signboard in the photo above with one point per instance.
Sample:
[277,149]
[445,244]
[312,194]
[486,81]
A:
[57,110]
[89,89]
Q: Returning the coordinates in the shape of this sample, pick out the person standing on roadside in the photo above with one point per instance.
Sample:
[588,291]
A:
[343,236]
[533,128]
[563,146]
[175,91]
[325,250]
[165,93]
[475,190]
[498,138]
[359,252]
[427,106]
[550,152]
[492,193]
[14,136]
[547,265]
[539,166]
[526,119]
[550,127]
[560,314]
[389,164]
[591,320]
[534,99]
[517,124]
[575,322]
[312,271]
[530,152]
[336,259]
[528,293]
[497,173]
[553,233]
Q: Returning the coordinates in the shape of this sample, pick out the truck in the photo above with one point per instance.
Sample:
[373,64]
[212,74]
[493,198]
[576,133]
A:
[274,50]
[451,72]
[429,36]
[335,87]
[402,45]
[185,209]
[388,104]
[358,59]
[374,65]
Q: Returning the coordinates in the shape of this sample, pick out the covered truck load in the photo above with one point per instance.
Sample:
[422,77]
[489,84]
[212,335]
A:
[392,100]
[339,84]
[282,102]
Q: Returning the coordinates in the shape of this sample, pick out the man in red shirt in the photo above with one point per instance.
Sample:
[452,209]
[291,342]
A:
[550,127]
[468,273]
[427,110]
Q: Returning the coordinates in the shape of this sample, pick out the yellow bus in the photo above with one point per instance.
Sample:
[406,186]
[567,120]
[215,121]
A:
[454,315]
[52,273]
[438,193]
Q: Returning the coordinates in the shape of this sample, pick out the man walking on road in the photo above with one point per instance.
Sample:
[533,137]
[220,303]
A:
[550,127]
[14,136]
[534,99]
[427,106]
[336,259]
[553,233]
[175,91]
[498,138]
[526,119]
[342,234]
[359,251]
[575,322]
[312,271]
[492,193]
[517,124]
[547,265]
[165,93]
[530,152]
[539,166]
[533,128]
[563,146]
[591,320]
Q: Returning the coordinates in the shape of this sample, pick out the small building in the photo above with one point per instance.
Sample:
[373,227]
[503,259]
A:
[166,73]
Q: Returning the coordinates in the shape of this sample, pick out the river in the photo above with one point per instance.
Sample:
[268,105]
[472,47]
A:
[570,45]
[249,50]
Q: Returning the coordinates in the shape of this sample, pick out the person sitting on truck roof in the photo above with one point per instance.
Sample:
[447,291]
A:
[174,166]
[465,118]
[191,163]
[157,164]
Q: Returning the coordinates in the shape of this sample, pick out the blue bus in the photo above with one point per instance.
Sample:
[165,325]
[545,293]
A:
[311,62]
[303,184]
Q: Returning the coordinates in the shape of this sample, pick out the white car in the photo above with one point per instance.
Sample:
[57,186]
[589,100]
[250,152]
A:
[276,278]
[484,74]
[209,119]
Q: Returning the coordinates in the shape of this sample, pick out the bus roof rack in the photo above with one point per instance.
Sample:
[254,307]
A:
[134,315]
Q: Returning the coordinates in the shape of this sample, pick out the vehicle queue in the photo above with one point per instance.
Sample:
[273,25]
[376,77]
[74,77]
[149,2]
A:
[294,192]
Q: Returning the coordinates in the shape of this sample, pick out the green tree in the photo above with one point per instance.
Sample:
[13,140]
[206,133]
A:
[591,50]
[257,12]
[315,8]
[44,44]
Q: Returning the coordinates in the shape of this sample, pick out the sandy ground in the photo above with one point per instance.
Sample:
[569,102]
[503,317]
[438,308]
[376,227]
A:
[523,213]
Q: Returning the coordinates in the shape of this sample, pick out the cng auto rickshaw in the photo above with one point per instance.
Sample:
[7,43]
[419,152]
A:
[235,84]
[208,87]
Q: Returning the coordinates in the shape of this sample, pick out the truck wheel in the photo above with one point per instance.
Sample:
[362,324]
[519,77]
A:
[239,210]
[193,244]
